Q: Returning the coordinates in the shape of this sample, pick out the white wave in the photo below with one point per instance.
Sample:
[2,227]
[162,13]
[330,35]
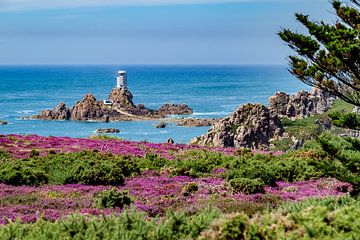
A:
[25,111]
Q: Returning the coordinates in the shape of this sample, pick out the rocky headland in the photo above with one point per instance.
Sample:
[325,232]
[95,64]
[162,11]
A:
[255,126]
[120,107]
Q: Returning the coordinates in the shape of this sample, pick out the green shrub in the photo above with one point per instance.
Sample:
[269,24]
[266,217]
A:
[104,137]
[346,120]
[4,155]
[152,162]
[112,198]
[247,186]
[22,173]
[189,188]
[197,163]
[34,153]
[331,204]
[129,225]
[314,219]
[345,155]
[52,152]
[64,168]
[287,122]
[244,152]
[231,227]
[330,218]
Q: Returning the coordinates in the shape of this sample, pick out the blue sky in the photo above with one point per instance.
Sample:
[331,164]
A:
[150,32]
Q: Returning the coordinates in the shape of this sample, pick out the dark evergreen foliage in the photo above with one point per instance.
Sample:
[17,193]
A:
[329,58]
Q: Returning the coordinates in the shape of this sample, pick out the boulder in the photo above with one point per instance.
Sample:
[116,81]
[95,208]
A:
[107,130]
[60,112]
[161,125]
[250,126]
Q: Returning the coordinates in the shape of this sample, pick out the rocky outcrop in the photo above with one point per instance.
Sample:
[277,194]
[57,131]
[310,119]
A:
[141,110]
[121,98]
[251,126]
[120,107]
[195,122]
[107,130]
[60,112]
[300,105]
[91,109]
[174,109]
[161,125]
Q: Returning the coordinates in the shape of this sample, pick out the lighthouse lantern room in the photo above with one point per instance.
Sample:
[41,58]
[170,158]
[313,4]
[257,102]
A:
[121,80]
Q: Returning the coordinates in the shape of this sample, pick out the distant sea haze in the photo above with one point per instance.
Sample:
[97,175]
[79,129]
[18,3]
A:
[212,91]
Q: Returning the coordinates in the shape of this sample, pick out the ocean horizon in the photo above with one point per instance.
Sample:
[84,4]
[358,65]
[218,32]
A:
[213,91]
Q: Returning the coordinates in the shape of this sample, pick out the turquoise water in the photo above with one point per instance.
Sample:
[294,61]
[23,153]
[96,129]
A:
[212,91]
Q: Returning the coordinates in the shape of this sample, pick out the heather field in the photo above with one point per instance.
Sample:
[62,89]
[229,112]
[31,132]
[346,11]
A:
[20,146]
[51,182]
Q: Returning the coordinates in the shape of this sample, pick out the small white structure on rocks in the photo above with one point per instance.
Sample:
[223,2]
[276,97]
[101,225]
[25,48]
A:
[107,102]
[121,80]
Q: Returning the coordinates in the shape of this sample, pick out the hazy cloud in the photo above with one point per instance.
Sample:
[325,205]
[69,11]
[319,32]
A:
[28,5]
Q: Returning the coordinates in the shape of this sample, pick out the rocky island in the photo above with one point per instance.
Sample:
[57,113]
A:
[118,107]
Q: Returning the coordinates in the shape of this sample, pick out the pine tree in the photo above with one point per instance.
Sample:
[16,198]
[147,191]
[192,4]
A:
[328,57]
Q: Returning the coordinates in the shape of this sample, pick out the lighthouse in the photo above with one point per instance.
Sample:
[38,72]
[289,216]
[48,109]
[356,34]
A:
[121,80]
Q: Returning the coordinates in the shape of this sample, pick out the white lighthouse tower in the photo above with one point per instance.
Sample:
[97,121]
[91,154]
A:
[121,80]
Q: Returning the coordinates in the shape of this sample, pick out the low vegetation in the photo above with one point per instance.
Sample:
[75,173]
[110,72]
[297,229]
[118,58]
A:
[329,218]
[185,194]
[312,127]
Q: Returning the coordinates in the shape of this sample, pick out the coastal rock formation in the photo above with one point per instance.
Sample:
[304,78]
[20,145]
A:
[141,110]
[174,109]
[91,109]
[108,130]
[300,105]
[195,122]
[119,107]
[162,112]
[60,112]
[121,98]
[251,126]
[161,125]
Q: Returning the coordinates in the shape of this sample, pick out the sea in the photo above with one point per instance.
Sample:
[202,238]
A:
[211,91]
